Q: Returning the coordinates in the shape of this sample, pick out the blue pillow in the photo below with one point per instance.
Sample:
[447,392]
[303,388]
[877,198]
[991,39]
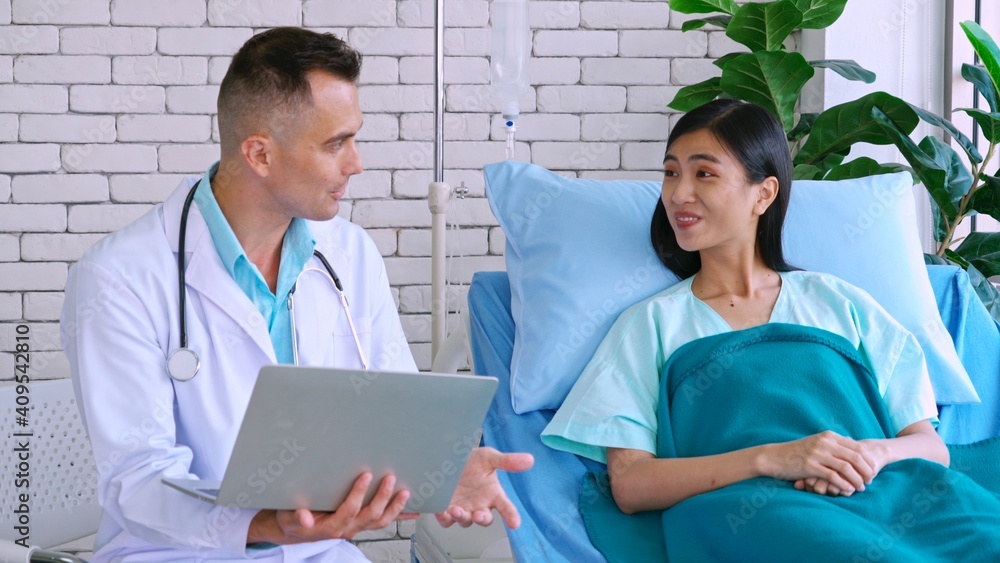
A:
[578,254]
[864,231]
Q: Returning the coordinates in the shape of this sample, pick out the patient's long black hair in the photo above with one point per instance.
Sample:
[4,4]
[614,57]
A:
[755,137]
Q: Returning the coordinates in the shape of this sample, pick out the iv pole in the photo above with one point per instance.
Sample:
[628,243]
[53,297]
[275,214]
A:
[439,193]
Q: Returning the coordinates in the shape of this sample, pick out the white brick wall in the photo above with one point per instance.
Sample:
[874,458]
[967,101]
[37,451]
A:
[116,99]
[157,69]
[6,69]
[563,43]
[108,40]
[106,105]
[42,306]
[554,15]
[624,15]
[45,128]
[201,40]
[156,14]
[29,39]
[10,250]
[258,13]
[109,158]
[29,158]
[72,12]
[17,98]
[59,188]
[74,69]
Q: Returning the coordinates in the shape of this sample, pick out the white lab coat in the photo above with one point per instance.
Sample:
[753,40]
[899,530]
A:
[119,324]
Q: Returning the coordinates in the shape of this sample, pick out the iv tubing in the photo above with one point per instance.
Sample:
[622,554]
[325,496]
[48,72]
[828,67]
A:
[510,139]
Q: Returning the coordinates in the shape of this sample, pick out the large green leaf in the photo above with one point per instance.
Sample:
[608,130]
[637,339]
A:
[989,123]
[803,127]
[927,169]
[986,48]
[979,78]
[935,260]
[848,69]
[958,180]
[950,256]
[982,250]
[764,27]
[703,6]
[987,198]
[690,97]
[833,160]
[806,172]
[940,224]
[771,79]
[722,61]
[719,21]
[841,126]
[963,141]
[817,14]
[986,291]
[858,168]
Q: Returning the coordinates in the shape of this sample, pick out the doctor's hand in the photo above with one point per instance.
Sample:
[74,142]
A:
[479,490]
[283,527]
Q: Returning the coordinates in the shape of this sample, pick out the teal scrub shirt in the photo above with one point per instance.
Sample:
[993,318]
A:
[296,249]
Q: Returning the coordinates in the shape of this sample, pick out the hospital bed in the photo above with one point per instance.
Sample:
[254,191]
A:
[547,496]
[552,528]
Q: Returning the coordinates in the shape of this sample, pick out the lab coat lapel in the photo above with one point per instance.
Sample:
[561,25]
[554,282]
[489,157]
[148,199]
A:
[205,273]
[317,312]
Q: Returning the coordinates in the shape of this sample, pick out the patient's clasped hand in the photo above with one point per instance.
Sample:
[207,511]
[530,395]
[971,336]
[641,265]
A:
[750,374]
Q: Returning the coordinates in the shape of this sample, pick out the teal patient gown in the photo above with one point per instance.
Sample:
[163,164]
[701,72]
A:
[776,383]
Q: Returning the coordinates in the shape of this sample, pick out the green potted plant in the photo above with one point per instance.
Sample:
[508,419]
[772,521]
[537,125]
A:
[773,77]
[958,191]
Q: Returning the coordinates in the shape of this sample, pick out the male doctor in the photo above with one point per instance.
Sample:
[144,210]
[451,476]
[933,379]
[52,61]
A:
[288,117]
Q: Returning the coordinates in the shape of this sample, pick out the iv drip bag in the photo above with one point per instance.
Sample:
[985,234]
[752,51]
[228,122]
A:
[511,49]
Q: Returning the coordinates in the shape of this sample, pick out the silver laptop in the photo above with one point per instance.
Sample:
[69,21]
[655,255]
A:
[308,433]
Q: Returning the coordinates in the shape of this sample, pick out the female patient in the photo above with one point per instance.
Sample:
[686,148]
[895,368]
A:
[786,429]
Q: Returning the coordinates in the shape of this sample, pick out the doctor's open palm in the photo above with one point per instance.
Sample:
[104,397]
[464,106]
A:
[478,492]
[479,489]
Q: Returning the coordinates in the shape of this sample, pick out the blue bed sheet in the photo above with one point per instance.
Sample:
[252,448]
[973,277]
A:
[547,495]
[977,340]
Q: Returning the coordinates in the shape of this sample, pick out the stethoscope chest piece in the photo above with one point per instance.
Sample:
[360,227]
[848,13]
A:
[183,364]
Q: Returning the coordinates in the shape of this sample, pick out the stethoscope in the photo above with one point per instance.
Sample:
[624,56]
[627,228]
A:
[183,363]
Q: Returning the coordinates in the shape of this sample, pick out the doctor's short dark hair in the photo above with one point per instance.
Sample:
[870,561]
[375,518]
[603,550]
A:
[756,138]
[267,81]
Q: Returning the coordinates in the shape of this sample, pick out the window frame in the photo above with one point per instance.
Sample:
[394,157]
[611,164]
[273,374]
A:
[959,93]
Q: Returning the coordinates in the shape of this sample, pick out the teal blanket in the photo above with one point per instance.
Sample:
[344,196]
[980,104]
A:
[776,383]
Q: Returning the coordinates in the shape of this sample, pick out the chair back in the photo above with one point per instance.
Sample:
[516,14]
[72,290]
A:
[47,460]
